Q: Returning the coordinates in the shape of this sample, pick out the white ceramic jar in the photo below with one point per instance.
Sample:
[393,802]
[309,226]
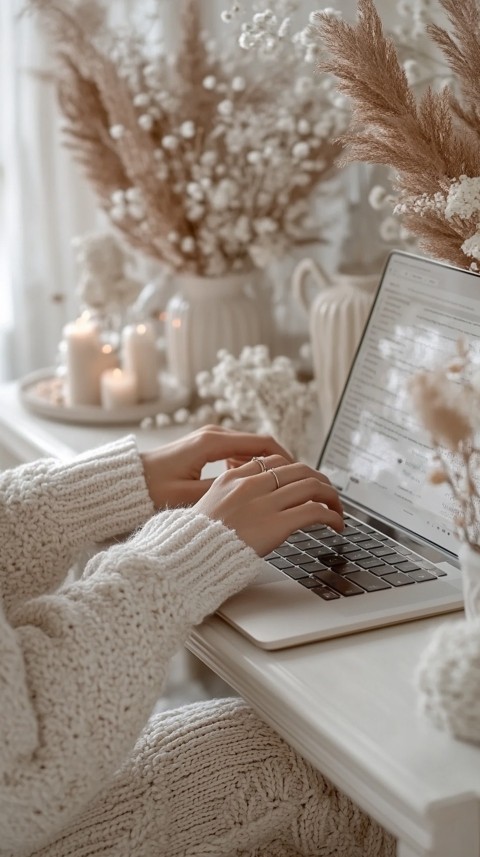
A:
[207,314]
[338,313]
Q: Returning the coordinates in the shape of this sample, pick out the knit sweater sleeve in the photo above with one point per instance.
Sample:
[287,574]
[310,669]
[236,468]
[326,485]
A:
[50,510]
[82,668]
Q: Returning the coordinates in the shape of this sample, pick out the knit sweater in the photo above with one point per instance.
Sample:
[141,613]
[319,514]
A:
[82,665]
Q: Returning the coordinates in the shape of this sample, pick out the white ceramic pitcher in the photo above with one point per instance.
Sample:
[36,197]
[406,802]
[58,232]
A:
[337,313]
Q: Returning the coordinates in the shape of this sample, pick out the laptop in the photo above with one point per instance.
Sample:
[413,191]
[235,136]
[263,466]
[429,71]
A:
[397,558]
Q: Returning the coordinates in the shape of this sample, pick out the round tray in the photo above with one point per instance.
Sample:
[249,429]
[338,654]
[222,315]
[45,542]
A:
[41,393]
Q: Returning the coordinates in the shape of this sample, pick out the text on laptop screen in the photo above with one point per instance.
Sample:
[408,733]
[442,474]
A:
[377,454]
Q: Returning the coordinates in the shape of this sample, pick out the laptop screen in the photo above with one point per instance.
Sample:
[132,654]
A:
[376,453]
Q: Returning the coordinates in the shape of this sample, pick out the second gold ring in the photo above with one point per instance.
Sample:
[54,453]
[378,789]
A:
[277,482]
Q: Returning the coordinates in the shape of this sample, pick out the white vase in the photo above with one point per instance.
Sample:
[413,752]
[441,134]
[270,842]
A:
[470,566]
[207,314]
[338,314]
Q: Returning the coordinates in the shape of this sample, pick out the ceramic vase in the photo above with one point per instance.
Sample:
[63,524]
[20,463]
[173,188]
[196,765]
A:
[470,565]
[338,313]
[206,314]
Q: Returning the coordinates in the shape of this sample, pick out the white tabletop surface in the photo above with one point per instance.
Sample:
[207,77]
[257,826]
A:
[348,705]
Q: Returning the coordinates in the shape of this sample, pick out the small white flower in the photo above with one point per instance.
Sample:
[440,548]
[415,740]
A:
[173,237]
[246,41]
[170,142]
[141,99]
[209,159]
[163,420]
[303,127]
[137,212]
[188,130]
[225,107]
[133,194]
[118,197]
[187,245]
[209,82]
[117,132]
[471,247]
[265,226]
[118,212]
[195,191]
[238,84]
[254,157]
[145,121]
[463,198]
[181,416]
[301,151]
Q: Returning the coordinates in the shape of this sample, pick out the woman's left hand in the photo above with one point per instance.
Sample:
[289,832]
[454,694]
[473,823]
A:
[173,471]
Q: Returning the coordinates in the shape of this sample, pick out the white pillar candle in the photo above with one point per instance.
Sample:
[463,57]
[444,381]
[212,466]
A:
[82,352]
[140,357]
[118,389]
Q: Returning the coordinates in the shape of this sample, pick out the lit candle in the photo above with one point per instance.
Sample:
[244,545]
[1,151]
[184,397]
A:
[82,352]
[108,358]
[140,356]
[118,389]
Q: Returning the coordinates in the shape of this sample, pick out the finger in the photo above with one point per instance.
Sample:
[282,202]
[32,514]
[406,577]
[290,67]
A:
[217,445]
[298,470]
[296,493]
[310,513]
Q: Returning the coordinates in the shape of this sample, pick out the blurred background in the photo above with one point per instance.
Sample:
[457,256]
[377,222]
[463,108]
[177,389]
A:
[45,201]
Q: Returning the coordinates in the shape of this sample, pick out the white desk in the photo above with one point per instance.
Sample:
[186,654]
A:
[347,705]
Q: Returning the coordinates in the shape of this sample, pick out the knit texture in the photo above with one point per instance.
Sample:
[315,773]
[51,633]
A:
[448,679]
[212,780]
[49,512]
[448,673]
[83,664]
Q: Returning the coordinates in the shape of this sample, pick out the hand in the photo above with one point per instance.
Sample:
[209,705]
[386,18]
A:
[173,472]
[264,515]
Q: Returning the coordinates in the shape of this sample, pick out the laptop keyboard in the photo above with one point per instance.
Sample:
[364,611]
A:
[357,561]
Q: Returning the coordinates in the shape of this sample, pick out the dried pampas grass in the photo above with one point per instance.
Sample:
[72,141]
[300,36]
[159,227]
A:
[432,142]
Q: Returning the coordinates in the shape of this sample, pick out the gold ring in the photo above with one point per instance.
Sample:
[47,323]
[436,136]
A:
[272,471]
[261,462]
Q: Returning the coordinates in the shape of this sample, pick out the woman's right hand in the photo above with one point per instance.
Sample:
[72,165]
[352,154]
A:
[247,500]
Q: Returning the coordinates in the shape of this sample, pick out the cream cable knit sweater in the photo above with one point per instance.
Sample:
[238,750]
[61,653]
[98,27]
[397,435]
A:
[82,665]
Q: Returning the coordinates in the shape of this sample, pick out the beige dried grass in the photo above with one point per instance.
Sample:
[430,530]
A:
[428,141]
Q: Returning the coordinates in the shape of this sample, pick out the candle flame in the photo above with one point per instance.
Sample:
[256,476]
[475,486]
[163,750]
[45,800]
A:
[176,322]
[141,328]
[107,349]
[117,373]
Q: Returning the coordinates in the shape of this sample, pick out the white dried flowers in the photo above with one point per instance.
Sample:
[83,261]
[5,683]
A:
[447,401]
[203,159]
[257,393]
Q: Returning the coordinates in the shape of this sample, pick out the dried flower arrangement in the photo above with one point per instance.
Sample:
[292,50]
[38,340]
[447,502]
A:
[201,163]
[255,392]
[447,401]
[431,141]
